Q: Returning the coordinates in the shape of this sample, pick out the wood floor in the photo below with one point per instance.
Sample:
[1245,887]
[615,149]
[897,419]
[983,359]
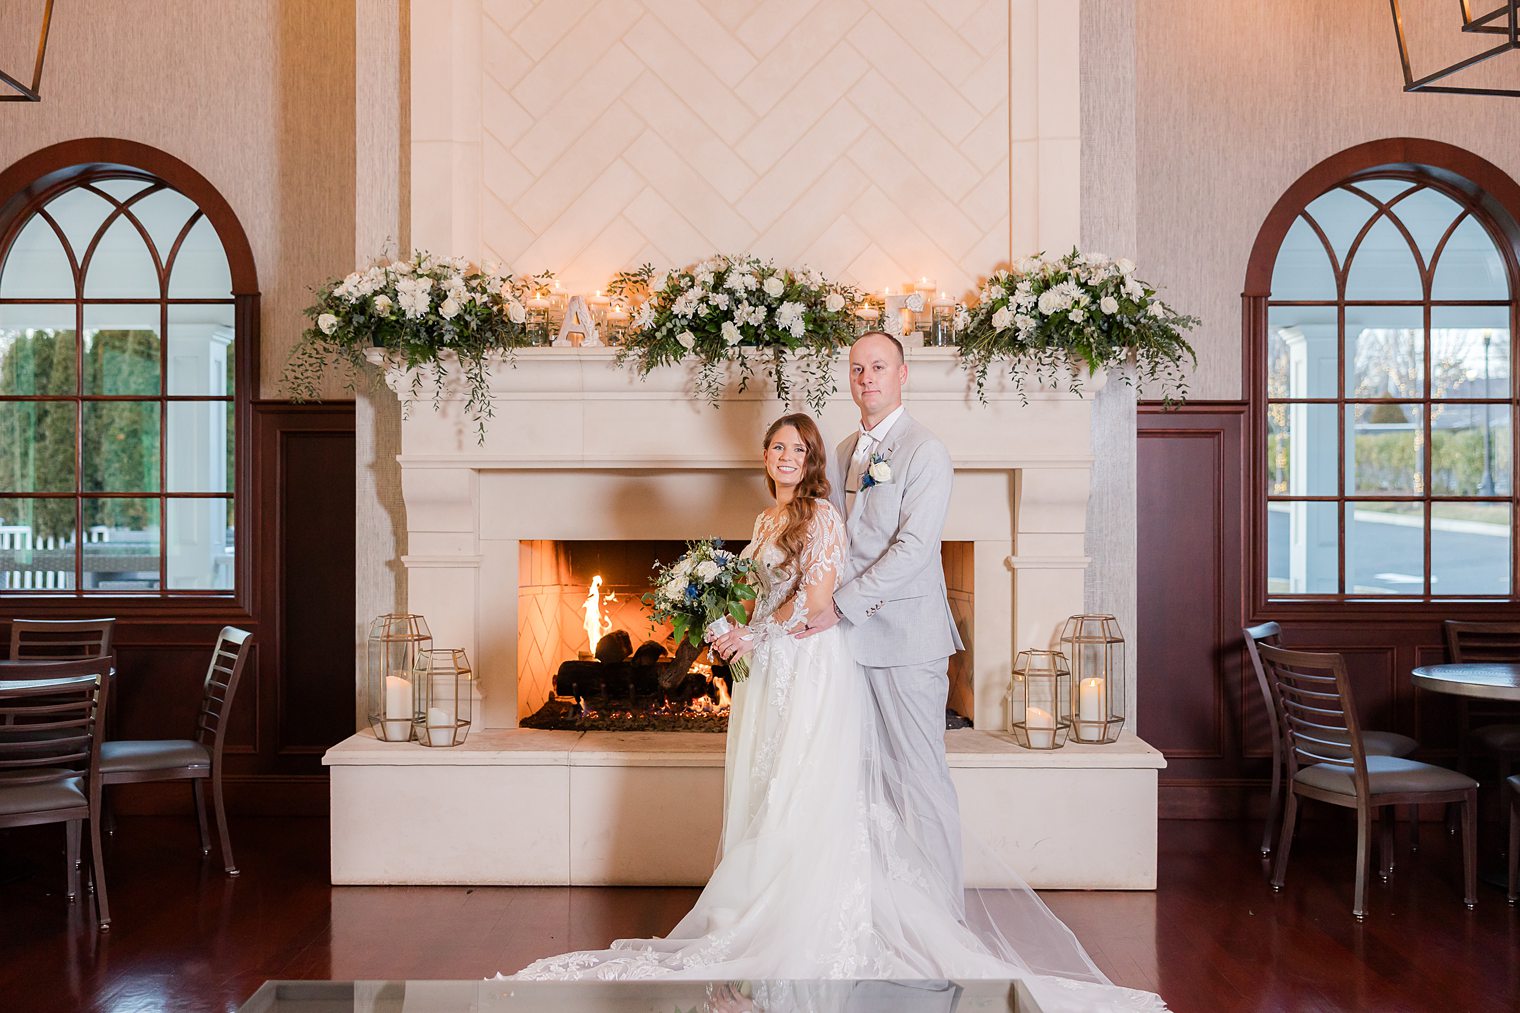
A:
[1212,937]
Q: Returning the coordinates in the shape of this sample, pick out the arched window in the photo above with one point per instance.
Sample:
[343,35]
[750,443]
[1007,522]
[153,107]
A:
[124,339]
[1381,306]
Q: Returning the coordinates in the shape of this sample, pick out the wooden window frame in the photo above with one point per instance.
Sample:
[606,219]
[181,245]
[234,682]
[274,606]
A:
[26,187]
[1493,199]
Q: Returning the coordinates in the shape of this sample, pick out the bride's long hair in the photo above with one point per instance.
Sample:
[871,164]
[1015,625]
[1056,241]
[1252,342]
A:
[814,487]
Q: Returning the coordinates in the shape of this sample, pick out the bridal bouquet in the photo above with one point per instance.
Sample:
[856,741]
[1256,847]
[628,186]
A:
[723,309]
[705,585]
[1049,312]
[414,310]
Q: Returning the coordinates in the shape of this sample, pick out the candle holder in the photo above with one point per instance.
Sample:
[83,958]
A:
[942,326]
[1038,696]
[445,696]
[1095,647]
[390,682]
[540,317]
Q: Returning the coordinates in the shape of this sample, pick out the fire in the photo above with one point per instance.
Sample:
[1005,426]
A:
[721,688]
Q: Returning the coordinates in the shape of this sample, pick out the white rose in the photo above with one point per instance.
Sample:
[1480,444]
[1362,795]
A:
[449,309]
[880,471]
[1108,304]
[383,305]
[687,339]
[658,282]
[1156,309]
[707,570]
[834,302]
[731,333]
[916,302]
[774,286]
[327,323]
[1125,265]
[515,311]
[1001,318]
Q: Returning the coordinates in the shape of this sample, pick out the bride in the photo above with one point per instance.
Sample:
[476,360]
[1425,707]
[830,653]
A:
[820,877]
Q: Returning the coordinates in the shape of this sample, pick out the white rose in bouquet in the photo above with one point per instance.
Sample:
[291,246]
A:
[327,323]
[1002,318]
[707,570]
[687,340]
[731,334]
[833,302]
[1108,304]
[1125,265]
[383,305]
[774,286]
[449,308]
[515,311]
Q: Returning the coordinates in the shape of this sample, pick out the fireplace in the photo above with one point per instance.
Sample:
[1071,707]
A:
[591,658]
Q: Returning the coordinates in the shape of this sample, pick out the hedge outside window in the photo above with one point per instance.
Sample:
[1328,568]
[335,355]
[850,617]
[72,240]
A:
[118,393]
[1389,393]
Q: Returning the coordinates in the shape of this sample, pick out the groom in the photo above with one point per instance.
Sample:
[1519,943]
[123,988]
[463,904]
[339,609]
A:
[891,481]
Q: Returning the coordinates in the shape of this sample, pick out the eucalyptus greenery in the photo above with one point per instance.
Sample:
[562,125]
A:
[1049,313]
[739,312]
[414,311]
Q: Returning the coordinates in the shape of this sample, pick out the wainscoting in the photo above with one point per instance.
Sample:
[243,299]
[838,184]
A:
[296,698]
[1199,701]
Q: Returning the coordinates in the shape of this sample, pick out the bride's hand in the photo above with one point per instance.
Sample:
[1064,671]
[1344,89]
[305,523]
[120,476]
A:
[736,643]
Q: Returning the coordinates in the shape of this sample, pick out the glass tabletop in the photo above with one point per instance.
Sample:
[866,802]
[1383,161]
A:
[640,997]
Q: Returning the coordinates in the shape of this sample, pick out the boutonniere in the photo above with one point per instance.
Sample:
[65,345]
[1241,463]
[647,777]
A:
[877,473]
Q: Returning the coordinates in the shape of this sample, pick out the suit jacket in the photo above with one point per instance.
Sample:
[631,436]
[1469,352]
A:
[892,593]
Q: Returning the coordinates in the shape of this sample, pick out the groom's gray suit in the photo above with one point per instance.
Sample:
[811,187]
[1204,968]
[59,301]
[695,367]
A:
[898,623]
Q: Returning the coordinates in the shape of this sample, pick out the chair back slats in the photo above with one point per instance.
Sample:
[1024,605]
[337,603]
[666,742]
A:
[1468,642]
[1266,633]
[47,639]
[227,660]
[1319,717]
[53,724]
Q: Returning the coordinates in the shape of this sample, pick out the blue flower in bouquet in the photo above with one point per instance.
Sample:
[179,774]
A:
[693,592]
[706,583]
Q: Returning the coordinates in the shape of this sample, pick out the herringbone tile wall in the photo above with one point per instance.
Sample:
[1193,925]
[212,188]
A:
[872,140]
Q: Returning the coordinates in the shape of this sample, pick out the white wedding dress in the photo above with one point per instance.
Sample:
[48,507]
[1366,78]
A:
[820,877]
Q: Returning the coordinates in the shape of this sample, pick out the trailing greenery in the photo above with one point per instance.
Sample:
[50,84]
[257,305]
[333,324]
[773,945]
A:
[414,311]
[739,311]
[1048,313]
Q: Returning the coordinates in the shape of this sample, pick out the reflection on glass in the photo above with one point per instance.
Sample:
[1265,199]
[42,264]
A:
[200,545]
[1301,457]
[1385,351]
[121,266]
[1301,351]
[201,351]
[1385,447]
[164,213]
[1470,266]
[200,268]
[1469,352]
[1302,269]
[36,544]
[80,214]
[1340,213]
[120,446]
[37,447]
[121,349]
[199,447]
[1471,450]
[37,349]
[37,266]
[1383,266]
[121,545]
[1302,548]
[1427,215]
[1470,548]
[1385,548]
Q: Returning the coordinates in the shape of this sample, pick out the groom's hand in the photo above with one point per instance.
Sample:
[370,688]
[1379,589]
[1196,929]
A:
[828,620]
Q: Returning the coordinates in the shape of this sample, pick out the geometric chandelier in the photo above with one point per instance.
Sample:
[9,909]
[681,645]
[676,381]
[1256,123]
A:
[1503,21]
[23,93]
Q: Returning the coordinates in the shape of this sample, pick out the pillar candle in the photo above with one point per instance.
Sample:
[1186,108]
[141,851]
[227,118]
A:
[398,709]
[1041,728]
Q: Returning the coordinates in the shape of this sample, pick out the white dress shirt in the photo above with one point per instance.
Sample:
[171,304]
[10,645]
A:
[866,444]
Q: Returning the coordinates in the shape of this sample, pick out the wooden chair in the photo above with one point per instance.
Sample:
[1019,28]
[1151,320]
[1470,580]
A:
[1469,642]
[1327,761]
[49,640]
[50,764]
[138,761]
[1376,743]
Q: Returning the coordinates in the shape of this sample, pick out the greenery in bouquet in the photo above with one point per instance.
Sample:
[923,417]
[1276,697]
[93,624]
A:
[1050,312]
[739,310]
[708,582]
[415,310]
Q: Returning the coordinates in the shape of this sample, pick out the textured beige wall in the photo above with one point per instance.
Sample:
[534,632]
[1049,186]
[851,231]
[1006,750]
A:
[1234,105]
[256,95]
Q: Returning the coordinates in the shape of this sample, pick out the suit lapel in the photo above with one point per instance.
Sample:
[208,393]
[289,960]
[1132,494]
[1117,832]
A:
[888,445]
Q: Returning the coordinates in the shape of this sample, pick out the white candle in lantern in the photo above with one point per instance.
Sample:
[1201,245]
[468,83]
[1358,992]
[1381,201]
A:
[868,312]
[398,709]
[926,288]
[538,302]
[1091,700]
[440,724]
[944,300]
[1041,728]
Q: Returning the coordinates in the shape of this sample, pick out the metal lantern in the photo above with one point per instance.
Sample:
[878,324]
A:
[1037,700]
[390,689]
[444,696]
[1095,648]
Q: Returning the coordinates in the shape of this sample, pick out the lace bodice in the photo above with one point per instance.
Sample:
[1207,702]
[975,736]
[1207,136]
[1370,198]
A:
[788,596]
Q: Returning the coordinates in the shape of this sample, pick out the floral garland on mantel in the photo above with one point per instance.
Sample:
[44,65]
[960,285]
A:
[1045,318]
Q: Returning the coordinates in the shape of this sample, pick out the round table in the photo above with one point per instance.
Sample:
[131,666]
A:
[1486,680]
